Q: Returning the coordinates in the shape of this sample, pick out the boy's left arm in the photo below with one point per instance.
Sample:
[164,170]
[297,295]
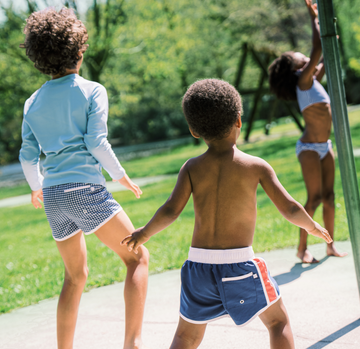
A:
[166,214]
[287,206]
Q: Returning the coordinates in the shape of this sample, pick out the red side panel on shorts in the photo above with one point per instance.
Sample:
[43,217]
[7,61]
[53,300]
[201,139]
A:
[269,287]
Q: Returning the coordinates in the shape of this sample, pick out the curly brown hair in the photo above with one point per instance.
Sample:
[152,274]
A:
[53,40]
[211,108]
[282,77]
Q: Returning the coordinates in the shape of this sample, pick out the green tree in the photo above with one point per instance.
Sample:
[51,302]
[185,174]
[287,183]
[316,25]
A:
[147,52]
[104,23]
[355,61]
[18,79]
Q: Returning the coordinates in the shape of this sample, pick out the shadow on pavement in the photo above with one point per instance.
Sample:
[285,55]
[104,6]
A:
[296,272]
[336,335]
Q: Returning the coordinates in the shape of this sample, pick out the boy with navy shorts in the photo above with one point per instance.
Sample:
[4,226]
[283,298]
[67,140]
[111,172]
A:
[221,276]
[66,120]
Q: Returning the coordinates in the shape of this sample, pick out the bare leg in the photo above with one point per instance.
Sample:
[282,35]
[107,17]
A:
[328,176]
[73,253]
[136,278]
[276,319]
[188,336]
[311,170]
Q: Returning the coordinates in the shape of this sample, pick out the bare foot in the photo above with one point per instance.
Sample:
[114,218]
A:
[306,257]
[332,251]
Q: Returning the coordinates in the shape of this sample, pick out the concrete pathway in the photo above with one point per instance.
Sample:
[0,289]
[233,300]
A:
[322,301]
[112,187]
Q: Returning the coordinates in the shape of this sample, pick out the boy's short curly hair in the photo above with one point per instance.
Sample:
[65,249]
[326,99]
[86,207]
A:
[282,77]
[53,40]
[211,108]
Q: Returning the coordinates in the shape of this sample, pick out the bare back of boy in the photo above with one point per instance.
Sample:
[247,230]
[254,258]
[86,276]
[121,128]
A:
[224,184]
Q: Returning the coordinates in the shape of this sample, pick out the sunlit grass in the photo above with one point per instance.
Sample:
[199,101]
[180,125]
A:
[7,192]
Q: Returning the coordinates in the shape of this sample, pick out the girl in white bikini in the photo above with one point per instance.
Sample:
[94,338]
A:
[293,76]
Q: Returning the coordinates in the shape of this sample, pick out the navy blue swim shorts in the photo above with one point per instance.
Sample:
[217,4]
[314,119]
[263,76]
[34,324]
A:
[74,207]
[219,283]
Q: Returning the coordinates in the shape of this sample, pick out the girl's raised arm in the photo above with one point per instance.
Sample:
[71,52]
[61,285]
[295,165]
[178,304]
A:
[306,77]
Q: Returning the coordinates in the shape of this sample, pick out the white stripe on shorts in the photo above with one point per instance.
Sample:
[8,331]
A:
[76,188]
[236,255]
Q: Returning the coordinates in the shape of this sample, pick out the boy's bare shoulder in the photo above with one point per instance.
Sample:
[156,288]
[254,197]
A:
[250,160]
[195,160]
[256,168]
[241,158]
[192,163]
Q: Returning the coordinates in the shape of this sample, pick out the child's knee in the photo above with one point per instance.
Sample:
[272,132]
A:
[77,277]
[275,317]
[277,324]
[329,198]
[145,255]
[313,202]
[142,257]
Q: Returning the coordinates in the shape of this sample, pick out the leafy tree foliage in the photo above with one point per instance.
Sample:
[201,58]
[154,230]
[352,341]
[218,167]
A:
[18,78]
[146,53]
[355,61]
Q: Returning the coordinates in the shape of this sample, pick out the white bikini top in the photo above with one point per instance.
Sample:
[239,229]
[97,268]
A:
[315,94]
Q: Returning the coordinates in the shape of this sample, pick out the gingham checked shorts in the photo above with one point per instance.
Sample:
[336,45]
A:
[74,207]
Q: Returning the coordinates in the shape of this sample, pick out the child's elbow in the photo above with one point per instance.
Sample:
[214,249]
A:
[291,210]
[170,212]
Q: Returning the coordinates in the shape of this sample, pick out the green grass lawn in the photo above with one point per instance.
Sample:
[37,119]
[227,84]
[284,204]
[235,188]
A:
[31,268]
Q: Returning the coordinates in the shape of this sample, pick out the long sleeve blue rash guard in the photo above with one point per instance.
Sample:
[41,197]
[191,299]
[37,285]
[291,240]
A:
[66,119]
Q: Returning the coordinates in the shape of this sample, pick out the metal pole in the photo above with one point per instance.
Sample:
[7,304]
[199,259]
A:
[341,126]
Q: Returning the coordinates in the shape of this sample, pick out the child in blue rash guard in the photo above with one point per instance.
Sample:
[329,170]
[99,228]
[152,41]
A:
[66,120]
[293,76]
[222,277]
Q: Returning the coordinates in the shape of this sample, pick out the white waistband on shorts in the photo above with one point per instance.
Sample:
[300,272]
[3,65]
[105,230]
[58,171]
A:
[236,255]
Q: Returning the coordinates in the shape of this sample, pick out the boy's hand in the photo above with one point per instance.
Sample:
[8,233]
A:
[135,240]
[312,8]
[320,232]
[129,184]
[35,195]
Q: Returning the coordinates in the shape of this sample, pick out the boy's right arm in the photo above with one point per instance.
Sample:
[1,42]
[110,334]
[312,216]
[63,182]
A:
[165,215]
[287,206]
